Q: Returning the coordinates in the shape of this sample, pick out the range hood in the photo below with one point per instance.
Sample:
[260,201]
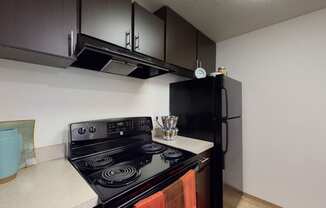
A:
[98,55]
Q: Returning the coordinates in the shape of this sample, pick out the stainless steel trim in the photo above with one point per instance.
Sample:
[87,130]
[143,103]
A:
[119,67]
[116,55]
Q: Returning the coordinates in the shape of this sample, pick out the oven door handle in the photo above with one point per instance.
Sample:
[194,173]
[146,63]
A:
[203,162]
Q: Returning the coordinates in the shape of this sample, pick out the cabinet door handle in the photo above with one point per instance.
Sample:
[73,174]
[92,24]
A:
[137,41]
[71,47]
[127,39]
[197,63]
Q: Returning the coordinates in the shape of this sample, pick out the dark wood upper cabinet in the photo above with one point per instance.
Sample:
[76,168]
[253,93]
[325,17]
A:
[206,52]
[148,33]
[180,48]
[108,20]
[45,32]
[45,27]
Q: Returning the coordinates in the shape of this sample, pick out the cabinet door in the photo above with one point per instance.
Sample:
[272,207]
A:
[38,25]
[108,20]
[148,33]
[206,53]
[180,39]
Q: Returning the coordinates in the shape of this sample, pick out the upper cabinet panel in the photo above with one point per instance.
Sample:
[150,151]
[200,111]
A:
[180,39]
[206,53]
[148,33]
[37,25]
[108,20]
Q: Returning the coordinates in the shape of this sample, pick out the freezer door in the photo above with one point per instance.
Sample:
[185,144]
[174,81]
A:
[231,98]
[193,102]
[233,164]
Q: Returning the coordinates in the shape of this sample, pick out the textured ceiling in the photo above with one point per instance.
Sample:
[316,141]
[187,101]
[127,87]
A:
[223,19]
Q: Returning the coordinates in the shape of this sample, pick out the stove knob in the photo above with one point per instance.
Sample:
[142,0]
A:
[81,131]
[92,129]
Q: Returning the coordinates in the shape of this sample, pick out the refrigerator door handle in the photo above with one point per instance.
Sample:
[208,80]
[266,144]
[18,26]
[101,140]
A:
[225,147]
[226,136]
[226,103]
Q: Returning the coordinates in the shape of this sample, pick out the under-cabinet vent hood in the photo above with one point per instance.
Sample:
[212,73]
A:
[97,55]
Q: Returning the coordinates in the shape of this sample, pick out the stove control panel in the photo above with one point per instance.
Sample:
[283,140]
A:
[120,126]
[110,128]
[130,126]
[143,124]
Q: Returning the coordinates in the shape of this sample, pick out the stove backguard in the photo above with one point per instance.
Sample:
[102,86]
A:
[91,137]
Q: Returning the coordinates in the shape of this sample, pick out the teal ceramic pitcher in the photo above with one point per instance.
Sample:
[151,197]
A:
[10,153]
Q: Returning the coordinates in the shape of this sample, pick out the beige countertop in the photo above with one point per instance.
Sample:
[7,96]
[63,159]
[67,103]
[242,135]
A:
[192,145]
[56,183]
[49,184]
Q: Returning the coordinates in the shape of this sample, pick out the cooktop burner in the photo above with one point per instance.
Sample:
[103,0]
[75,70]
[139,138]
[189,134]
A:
[172,154]
[120,161]
[153,148]
[118,175]
[95,162]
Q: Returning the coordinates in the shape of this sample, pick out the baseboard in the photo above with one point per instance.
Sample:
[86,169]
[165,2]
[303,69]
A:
[257,200]
[232,197]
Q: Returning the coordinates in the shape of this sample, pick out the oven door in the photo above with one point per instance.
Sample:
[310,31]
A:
[155,185]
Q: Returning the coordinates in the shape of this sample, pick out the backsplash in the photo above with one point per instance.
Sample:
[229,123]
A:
[55,97]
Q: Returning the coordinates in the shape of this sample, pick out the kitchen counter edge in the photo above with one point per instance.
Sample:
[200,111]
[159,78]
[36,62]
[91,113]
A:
[195,146]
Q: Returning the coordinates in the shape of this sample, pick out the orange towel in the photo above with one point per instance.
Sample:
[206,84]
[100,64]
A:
[155,201]
[189,189]
[174,197]
[180,194]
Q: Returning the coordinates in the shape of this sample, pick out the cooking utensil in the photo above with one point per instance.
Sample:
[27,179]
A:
[169,122]
[168,126]
[170,134]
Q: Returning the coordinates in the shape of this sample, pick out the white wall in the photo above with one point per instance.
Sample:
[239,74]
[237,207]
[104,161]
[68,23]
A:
[283,70]
[56,97]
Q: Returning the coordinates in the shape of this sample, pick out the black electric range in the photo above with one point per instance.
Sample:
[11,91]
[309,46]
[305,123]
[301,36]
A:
[122,164]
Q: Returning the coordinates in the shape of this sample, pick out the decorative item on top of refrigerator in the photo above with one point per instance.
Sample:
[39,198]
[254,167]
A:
[168,127]
[220,71]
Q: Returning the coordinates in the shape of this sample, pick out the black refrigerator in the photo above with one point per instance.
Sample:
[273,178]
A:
[210,109]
